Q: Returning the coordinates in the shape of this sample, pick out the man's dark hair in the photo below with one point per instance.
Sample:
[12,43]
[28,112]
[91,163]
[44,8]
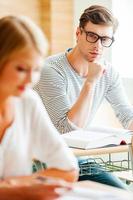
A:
[98,15]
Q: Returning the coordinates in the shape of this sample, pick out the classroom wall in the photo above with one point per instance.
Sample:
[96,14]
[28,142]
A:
[30,8]
[105,115]
[57,21]
[61,25]
[55,18]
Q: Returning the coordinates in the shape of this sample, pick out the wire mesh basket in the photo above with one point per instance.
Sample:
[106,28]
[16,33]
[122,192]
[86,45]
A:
[90,166]
[98,165]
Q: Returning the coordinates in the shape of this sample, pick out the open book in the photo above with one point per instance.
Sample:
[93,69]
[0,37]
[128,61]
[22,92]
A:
[97,137]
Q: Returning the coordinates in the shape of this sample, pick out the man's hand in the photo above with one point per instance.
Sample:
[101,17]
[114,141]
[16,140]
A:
[95,71]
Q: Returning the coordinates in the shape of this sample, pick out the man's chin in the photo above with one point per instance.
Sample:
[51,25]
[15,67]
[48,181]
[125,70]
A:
[94,59]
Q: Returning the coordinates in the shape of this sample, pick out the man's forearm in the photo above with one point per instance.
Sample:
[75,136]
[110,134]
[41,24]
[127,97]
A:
[79,113]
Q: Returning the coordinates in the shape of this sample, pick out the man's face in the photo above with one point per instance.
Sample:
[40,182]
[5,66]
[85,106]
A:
[93,51]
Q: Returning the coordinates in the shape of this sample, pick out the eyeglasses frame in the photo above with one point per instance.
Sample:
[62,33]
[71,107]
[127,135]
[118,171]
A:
[98,37]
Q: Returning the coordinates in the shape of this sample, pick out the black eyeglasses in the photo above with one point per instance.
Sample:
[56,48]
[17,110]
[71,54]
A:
[94,37]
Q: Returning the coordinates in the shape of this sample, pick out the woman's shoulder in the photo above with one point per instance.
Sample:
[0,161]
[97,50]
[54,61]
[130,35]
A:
[31,97]
[30,94]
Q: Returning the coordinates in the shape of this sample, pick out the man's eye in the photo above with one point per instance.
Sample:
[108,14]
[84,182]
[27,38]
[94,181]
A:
[91,35]
[106,39]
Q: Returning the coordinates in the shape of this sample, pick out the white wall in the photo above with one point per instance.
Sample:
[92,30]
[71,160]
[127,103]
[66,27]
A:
[122,50]
[105,115]
[81,5]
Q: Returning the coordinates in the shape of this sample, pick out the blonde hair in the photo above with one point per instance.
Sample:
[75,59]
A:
[19,32]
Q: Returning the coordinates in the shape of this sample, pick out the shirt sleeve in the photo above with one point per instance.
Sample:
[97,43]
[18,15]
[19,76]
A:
[52,88]
[119,101]
[47,144]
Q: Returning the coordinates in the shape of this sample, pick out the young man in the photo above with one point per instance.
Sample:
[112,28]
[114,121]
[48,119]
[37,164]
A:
[74,83]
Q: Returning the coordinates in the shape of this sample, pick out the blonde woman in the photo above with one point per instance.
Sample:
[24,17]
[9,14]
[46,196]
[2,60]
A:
[26,131]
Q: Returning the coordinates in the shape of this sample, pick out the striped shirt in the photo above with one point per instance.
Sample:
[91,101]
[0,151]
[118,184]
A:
[60,86]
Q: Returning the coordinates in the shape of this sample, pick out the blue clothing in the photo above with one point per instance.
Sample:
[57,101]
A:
[94,172]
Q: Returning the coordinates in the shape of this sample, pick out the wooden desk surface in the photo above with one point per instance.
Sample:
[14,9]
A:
[99,151]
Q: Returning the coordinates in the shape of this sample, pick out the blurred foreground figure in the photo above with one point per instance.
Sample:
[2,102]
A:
[26,131]
[35,188]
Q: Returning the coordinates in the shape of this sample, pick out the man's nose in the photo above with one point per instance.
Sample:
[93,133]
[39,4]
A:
[99,43]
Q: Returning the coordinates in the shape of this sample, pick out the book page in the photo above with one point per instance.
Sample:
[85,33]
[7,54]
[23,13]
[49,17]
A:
[97,137]
[109,130]
[81,139]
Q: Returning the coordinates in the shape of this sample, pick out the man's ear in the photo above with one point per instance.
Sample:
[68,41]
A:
[78,33]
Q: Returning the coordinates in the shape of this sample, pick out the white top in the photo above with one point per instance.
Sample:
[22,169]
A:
[60,86]
[32,136]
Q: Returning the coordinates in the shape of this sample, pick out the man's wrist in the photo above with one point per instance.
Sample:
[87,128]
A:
[90,82]
[89,85]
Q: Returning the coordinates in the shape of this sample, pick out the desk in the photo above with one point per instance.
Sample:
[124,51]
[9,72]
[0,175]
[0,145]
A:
[106,150]
[109,150]
[93,189]
[47,188]
[100,151]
